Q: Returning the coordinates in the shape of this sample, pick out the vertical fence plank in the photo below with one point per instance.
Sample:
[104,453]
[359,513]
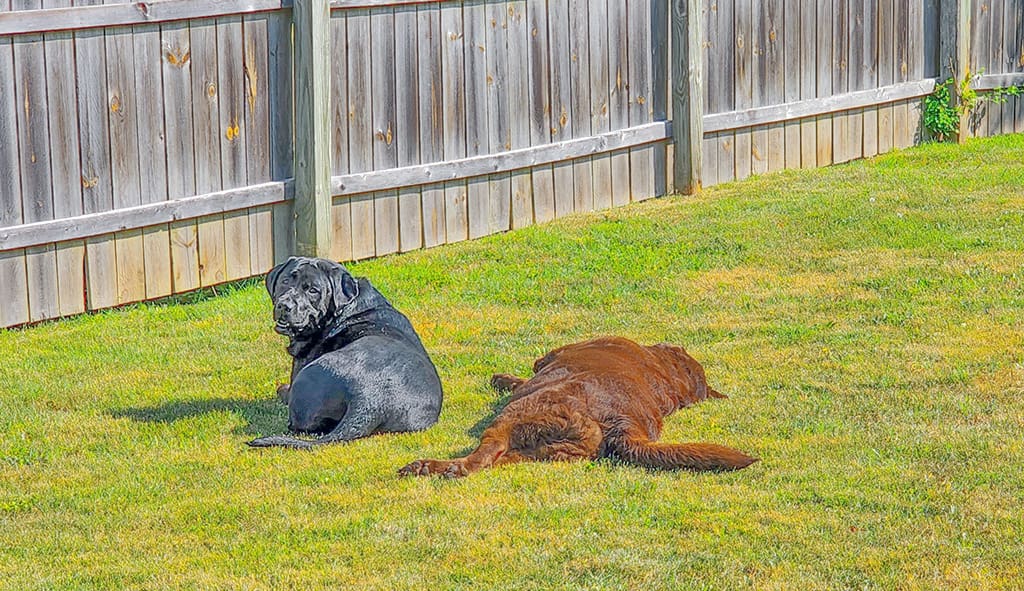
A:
[981,46]
[34,149]
[476,49]
[901,71]
[808,82]
[65,162]
[776,71]
[13,278]
[721,82]
[94,142]
[453,76]
[431,115]
[823,79]
[233,136]
[599,100]
[156,241]
[279,83]
[257,138]
[206,135]
[759,42]
[519,99]
[499,185]
[1007,59]
[869,73]
[618,96]
[410,208]
[385,145]
[791,37]
[992,65]
[915,50]
[641,160]
[176,65]
[124,155]
[885,72]
[540,106]
[840,78]
[854,73]
[744,90]
[341,214]
[360,131]
[561,101]
[661,74]
[709,143]
[1017,62]
[579,101]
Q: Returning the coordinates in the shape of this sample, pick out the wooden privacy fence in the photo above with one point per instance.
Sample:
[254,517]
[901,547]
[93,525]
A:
[153,148]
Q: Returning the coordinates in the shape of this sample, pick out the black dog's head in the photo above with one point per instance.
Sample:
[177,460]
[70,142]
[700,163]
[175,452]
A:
[308,294]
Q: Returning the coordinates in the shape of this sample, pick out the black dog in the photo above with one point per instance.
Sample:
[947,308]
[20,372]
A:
[359,367]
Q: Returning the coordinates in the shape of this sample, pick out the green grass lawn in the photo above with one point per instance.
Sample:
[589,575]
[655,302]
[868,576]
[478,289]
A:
[867,321]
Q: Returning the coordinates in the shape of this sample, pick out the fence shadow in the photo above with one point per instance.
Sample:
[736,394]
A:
[261,417]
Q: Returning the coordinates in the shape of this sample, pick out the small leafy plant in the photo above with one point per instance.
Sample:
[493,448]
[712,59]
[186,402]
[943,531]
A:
[943,110]
[940,116]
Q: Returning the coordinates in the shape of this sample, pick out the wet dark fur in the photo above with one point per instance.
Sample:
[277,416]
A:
[600,398]
[358,366]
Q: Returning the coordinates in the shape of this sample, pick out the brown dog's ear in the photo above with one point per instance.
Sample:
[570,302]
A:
[271,279]
[344,288]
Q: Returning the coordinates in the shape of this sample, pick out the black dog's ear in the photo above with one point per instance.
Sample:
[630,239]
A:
[271,279]
[344,288]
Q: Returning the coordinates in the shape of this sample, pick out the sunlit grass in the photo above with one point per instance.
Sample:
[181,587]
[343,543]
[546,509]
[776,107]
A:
[867,321]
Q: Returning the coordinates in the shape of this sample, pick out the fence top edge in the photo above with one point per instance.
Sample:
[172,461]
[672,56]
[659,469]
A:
[49,20]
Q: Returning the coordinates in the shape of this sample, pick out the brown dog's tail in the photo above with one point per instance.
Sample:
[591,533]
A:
[675,456]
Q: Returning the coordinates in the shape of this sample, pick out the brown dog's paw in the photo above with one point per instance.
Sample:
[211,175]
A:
[443,468]
[503,382]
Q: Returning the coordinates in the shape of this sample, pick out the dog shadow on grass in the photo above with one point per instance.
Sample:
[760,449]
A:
[260,417]
[498,403]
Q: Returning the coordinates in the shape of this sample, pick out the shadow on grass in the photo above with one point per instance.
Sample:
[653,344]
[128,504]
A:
[498,404]
[262,417]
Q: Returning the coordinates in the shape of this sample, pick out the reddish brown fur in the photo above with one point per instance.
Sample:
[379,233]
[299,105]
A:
[604,397]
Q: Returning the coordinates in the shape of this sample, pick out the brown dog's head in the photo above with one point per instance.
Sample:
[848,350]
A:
[308,295]
[687,373]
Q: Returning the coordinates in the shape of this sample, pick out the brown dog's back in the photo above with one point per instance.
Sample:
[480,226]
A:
[604,397]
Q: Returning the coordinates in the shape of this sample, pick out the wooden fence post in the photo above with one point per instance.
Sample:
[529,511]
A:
[955,48]
[687,95]
[312,170]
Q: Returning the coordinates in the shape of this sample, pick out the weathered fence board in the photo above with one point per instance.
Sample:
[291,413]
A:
[386,136]
[540,106]
[410,208]
[500,185]
[519,128]
[562,123]
[431,109]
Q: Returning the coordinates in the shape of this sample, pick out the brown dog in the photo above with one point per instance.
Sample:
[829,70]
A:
[600,398]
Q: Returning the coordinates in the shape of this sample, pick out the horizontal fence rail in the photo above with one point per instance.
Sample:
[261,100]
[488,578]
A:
[135,13]
[423,174]
[132,218]
[821,106]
